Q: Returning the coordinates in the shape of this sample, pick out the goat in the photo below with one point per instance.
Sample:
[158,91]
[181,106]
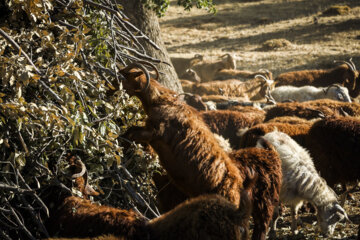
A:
[344,74]
[103,237]
[187,149]
[307,93]
[76,217]
[312,109]
[195,101]
[254,89]
[182,64]
[289,119]
[301,182]
[204,217]
[206,70]
[249,137]
[225,123]
[243,75]
[265,192]
[334,143]
[190,75]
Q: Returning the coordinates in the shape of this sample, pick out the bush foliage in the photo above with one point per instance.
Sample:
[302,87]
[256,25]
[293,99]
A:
[53,103]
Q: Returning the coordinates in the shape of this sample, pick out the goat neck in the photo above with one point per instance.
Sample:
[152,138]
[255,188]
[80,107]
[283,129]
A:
[135,84]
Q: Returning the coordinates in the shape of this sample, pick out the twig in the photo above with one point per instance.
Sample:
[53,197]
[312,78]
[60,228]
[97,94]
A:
[37,198]
[17,47]
[19,222]
[17,189]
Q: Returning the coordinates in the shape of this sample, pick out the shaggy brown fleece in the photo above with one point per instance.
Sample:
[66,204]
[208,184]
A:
[186,147]
[78,217]
[226,122]
[298,132]
[334,144]
[313,109]
[266,191]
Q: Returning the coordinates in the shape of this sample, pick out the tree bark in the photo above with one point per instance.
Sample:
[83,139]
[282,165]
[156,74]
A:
[147,21]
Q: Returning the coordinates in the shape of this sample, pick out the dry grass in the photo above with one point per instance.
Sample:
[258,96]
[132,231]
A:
[245,28]
[242,27]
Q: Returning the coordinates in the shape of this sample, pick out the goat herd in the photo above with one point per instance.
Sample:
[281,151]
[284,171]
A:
[225,165]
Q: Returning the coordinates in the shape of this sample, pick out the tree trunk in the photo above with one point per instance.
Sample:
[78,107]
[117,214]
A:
[147,21]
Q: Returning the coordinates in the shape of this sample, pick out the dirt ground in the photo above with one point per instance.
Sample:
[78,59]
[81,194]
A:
[243,27]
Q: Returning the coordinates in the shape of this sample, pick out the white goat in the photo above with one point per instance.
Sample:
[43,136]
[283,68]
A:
[301,182]
[307,93]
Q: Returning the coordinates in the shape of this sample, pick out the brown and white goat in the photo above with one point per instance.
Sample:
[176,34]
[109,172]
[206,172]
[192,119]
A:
[344,74]
[186,147]
[313,109]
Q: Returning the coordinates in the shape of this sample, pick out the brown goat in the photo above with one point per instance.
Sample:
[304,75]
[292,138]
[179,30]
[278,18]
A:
[182,141]
[344,74]
[207,217]
[194,100]
[334,144]
[289,119]
[105,237]
[254,89]
[190,75]
[206,70]
[313,109]
[182,64]
[248,137]
[265,192]
[243,75]
[186,147]
[76,217]
[226,122]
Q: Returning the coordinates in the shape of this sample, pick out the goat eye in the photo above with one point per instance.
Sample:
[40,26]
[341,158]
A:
[340,97]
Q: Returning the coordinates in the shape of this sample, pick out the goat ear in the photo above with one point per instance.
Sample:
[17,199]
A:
[340,210]
[263,143]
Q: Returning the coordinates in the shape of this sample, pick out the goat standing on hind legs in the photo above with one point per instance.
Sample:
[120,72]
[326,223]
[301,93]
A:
[186,147]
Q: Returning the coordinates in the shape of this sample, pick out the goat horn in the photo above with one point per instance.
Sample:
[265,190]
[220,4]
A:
[82,172]
[347,63]
[152,66]
[268,81]
[342,211]
[145,71]
[186,94]
[225,55]
[264,70]
[353,64]
[330,86]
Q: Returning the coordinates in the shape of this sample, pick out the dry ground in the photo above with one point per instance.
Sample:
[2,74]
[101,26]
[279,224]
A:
[242,27]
